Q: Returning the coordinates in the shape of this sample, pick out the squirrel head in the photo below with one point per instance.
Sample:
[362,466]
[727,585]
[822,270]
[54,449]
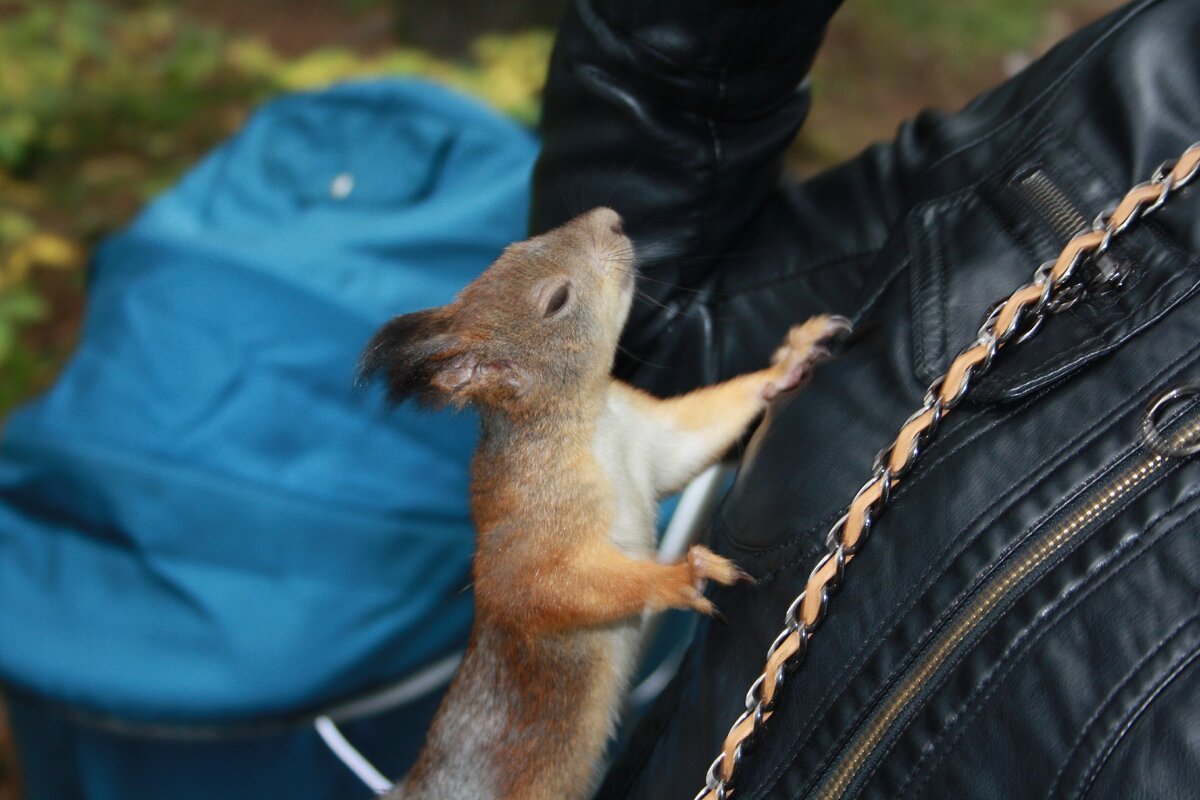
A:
[538,327]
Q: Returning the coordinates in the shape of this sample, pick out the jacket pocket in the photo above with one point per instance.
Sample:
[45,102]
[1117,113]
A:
[975,248]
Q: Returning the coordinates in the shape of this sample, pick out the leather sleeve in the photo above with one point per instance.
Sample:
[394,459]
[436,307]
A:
[676,113]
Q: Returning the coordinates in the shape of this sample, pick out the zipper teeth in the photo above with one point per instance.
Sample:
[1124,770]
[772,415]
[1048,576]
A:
[894,705]
[1060,212]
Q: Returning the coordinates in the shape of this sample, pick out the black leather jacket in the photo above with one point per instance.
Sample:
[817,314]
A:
[1025,619]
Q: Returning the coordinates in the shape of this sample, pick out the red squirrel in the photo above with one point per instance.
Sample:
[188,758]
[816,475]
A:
[565,482]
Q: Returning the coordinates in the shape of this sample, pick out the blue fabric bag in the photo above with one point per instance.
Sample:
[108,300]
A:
[204,521]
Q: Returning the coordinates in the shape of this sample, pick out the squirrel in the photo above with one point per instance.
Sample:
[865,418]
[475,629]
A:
[565,480]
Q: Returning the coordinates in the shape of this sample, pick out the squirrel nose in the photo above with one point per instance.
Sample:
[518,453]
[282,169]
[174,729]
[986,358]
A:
[603,217]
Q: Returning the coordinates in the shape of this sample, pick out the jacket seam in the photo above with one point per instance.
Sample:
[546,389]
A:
[801,272]
[1103,752]
[1056,87]
[931,279]
[1009,659]
[1144,700]
[872,299]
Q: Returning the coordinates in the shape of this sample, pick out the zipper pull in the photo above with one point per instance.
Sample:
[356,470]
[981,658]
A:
[1111,273]
[1043,194]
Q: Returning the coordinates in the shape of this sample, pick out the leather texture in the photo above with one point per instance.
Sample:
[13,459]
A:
[1083,681]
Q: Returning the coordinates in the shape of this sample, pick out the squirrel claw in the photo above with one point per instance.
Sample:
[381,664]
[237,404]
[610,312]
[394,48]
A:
[703,605]
[805,346]
[707,565]
[745,577]
[838,326]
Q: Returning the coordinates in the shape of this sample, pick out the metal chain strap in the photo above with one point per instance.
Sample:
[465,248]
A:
[1056,285]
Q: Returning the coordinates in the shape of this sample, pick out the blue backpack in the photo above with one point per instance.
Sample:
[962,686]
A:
[205,522]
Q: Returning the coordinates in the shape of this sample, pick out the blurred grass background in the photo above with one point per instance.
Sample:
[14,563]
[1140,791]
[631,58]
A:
[104,103]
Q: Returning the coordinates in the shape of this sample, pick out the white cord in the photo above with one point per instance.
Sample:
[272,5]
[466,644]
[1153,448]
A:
[351,757]
[693,512]
[413,687]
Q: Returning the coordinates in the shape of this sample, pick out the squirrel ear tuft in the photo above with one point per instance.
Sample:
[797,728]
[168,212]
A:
[409,351]
[419,356]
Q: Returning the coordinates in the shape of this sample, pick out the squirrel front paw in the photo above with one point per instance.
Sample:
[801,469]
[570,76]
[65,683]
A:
[802,349]
[704,565]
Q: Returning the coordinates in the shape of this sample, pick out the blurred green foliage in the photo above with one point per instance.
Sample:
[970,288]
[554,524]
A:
[963,29]
[102,107]
[77,76]
[507,71]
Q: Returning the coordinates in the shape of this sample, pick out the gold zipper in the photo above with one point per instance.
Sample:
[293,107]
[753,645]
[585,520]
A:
[1052,541]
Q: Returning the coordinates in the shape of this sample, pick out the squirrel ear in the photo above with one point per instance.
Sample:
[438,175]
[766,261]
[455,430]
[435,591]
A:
[420,356]
[409,350]
[464,377]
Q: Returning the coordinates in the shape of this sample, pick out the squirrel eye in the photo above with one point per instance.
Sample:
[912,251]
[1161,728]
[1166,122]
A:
[557,300]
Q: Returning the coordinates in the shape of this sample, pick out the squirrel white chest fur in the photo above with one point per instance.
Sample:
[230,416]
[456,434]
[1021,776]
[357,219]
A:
[564,489]
[621,437]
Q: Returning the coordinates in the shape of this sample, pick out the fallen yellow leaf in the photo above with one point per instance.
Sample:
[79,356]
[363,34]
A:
[47,250]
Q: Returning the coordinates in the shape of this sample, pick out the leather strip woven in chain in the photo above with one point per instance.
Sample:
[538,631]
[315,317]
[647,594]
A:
[1056,284]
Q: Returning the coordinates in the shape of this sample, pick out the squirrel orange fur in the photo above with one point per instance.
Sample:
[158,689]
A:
[564,485]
